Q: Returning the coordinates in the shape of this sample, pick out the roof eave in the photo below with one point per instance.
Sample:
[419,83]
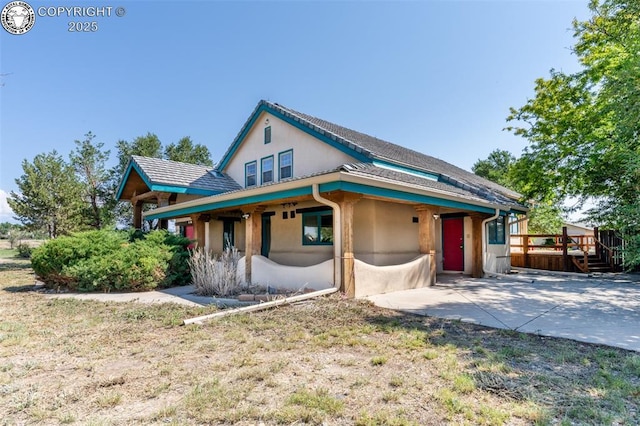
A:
[331,182]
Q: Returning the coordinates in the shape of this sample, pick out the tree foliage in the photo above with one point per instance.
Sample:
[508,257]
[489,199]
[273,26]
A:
[495,167]
[89,162]
[583,128]
[186,152]
[60,197]
[145,146]
[545,217]
[50,196]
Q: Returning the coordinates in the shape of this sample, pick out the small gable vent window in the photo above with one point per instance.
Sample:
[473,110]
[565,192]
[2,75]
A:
[267,169]
[250,174]
[285,162]
[267,134]
[496,231]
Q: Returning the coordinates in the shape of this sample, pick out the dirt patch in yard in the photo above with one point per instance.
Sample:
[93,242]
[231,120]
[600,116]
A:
[330,360]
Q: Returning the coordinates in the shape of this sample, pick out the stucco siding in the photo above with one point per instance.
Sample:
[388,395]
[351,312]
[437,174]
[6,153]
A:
[309,154]
[372,279]
[384,233]
[498,257]
[286,238]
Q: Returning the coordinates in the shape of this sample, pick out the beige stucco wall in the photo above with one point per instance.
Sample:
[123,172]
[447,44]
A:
[310,155]
[215,235]
[384,233]
[468,245]
[286,238]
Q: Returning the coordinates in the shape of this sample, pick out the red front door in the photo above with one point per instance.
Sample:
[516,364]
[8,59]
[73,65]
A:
[453,244]
[190,233]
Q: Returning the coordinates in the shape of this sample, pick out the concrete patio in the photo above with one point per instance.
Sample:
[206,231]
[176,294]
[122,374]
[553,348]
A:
[601,309]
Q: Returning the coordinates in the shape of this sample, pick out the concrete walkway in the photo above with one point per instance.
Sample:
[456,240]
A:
[182,295]
[603,309]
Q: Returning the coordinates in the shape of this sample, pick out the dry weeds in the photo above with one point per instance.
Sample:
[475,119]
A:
[331,361]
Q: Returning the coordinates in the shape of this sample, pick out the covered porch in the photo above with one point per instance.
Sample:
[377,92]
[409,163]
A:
[360,242]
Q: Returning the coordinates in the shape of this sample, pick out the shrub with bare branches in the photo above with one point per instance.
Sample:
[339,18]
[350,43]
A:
[215,275]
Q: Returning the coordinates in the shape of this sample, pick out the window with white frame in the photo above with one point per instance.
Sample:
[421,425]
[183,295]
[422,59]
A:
[250,174]
[266,165]
[285,164]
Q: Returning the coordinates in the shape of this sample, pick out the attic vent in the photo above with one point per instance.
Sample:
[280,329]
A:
[351,167]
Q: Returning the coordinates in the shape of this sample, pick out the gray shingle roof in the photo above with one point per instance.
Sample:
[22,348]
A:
[370,170]
[376,148]
[173,173]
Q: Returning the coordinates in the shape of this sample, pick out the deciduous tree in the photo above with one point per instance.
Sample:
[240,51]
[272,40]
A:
[583,128]
[185,151]
[545,216]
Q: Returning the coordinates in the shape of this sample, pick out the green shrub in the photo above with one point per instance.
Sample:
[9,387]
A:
[24,250]
[50,259]
[113,261]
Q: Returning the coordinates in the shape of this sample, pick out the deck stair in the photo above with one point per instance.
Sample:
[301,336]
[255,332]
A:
[594,264]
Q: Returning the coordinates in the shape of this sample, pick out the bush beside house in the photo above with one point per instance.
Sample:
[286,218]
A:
[113,261]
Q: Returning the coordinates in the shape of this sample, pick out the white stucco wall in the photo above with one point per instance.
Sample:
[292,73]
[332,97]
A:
[370,279]
[497,258]
[310,155]
[266,272]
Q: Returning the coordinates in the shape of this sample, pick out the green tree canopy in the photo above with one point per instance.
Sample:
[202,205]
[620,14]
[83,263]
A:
[496,167]
[50,196]
[583,128]
[185,151]
[545,217]
[150,146]
[145,146]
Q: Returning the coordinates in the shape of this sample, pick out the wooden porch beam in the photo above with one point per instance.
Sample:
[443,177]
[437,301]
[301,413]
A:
[477,256]
[145,196]
[253,238]
[427,236]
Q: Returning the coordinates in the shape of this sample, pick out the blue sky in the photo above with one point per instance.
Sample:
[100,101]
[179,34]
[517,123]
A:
[435,76]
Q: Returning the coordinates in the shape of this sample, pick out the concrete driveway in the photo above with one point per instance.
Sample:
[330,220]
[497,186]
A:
[601,309]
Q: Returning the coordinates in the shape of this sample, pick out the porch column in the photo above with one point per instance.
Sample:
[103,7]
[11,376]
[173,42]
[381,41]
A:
[427,237]
[163,200]
[347,202]
[207,232]
[477,256]
[137,214]
[199,221]
[253,239]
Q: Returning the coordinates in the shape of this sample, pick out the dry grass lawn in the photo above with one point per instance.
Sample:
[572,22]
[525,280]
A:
[330,361]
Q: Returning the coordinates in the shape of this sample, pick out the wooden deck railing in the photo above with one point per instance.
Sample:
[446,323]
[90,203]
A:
[606,245]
